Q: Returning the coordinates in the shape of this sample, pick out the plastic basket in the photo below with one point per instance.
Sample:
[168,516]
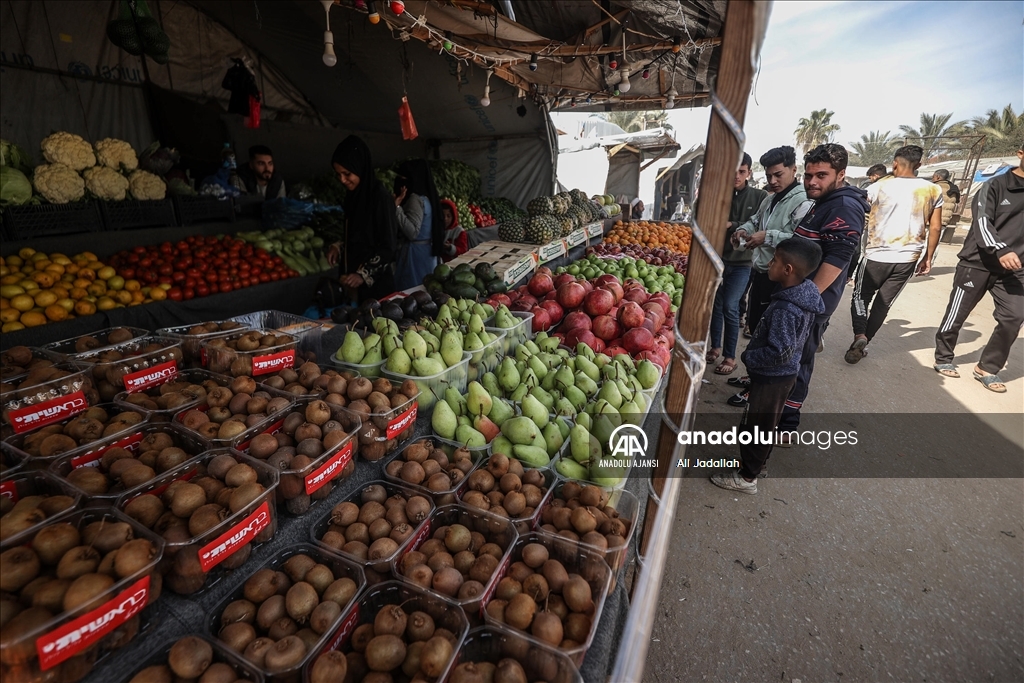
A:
[487,358]
[625,504]
[12,460]
[133,213]
[523,523]
[432,387]
[146,401]
[445,496]
[371,370]
[133,366]
[191,344]
[17,487]
[66,347]
[43,220]
[394,427]
[515,336]
[255,363]
[199,209]
[244,670]
[540,661]
[309,332]
[35,405]
[271,423]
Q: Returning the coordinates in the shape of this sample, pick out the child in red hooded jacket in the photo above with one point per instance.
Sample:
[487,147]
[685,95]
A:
[455,239]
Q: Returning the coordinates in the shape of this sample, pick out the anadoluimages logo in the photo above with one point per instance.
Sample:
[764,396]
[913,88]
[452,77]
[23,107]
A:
[625,442]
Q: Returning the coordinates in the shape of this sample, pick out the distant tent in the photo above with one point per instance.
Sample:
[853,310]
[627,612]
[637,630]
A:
[990,172]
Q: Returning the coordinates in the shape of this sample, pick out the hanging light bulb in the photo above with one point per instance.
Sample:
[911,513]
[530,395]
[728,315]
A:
[330,59]
[613,63]
[485,101]
[371,9]
[624,80]
[398,7]
[533,62]
[646,74]
[589,99]
[448,41]
[670,96]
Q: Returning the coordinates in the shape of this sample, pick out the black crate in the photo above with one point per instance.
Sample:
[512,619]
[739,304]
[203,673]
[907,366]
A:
[199,209]
[132,213]
[44,220]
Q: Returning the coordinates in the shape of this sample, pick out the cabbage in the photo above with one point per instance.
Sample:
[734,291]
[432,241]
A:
[14,156]
[14,187]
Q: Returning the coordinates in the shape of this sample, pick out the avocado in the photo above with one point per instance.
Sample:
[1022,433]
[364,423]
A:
[484,271]
[466,292]
[435,286]
[442,272]
[480,284]
[497,287]
[463,268]
[465,277]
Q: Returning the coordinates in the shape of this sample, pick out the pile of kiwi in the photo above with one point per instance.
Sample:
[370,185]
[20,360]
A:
[89,342]
[40,383]
[119,469]
[192,659]
[458,561]
[581,513]
[539,596]
[68,566]
[192,337]
[426,465]
[372,525]
[40,498]
[395,646]
[95,423]
[507,670]
[189,389]
[18,360]
[503,487]
[308,378]
[232,409]
[204,329]
[111,365]
[310,432]
[223,486]
[377,403]
[233,354]
[284,609]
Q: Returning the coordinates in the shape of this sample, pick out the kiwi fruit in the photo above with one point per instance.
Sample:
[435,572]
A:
[261,585]
[547,628]
[190,657]
[390,620]
[49,595]
[534,555]
[577,594]
[76,562]
[86,589]
[256,651]
[385,653]
[18,648]
[219,672]
[435,656]
[106,536]
[133,557]
[158,673]
[509,671]
[245,495]
[324,616]
[51,542]
[520,611]
[576,626]
[238,611]
[300,601]
[421,575]
[341,591]
[329,667]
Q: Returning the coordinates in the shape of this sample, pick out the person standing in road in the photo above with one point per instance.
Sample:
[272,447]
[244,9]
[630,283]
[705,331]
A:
[990,261]
[905,220]
[875,173]
[725,318]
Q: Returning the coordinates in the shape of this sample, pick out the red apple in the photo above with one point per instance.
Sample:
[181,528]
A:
[540,284]
[541,319]
[637,340]
[570,295]
[631,315]
[605,327]
[555,312]
[577,320]
[563,278]
[616,289]
[598,302]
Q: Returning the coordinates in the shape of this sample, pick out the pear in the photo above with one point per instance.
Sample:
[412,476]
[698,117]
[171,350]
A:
[570,469]
[588,368]
[502,445]
[478,400]
[586,384]
[373,351]
[427,367]
[485,426]
[604,425]
[522,354]
[414,345]
[519,393]
[352,349]
[463,421]
[584,420]
[531,347]
[433,343]
[633,381]
[456,401]
[564,407]
[508,376]
[544,397]
[399,361]
[531,456]
[564,378]
[553,438]
[549,344]
[610,393]
[465,434]
[538,366]
[476,323]
[451,347]
[579,443]
[436,356]
[547,382]
[535,410]
[601,360]
[472,342]
[500,411]
[563,426]
[584,351]
[444,316]
[390,343]
[521,430]
[528,378]
[632,413]
[627,361]
[576,397]
[490,382]
[444,420]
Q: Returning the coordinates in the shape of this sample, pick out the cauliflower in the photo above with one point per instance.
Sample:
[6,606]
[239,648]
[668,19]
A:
[68,149]
[116,154]
[144,185]
[58,183]
[106,183]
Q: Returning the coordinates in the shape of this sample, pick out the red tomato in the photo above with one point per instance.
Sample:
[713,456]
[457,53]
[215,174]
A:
[178,277]
[165,269]
[165,280]
[190,282]
[188,293]
[128,273]
[139,250]
[202,289]
[211,276]
[226,287]
[264,277]
[174,293]
[214,288]
[166,248]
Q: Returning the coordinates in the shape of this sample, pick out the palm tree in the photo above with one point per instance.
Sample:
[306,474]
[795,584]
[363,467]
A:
[635,121]
[816,130]
[874,148]
[932,126]
[1004,130]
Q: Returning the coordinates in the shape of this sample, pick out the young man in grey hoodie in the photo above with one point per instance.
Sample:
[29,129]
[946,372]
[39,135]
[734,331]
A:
[776,219]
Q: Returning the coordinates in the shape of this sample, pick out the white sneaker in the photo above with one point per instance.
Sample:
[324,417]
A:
[734,482]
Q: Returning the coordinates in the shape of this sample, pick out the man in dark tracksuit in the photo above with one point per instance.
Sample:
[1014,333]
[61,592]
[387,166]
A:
[990,261]
[835,222]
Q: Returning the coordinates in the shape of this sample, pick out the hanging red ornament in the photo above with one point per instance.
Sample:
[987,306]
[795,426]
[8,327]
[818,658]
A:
[398,7]
[613,64]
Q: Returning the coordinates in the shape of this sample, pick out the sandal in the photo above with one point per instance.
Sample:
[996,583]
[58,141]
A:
[712,355]
[990,382]
[947,370]
[726,367]
[856,351]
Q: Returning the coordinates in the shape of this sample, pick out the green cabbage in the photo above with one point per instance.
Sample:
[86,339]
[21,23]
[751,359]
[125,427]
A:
[14,156]
[14,187]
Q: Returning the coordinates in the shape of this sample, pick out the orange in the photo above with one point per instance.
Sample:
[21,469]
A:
[33,319]
[85,308]
[12,326]
[157,294]
[22,302]
[56,313]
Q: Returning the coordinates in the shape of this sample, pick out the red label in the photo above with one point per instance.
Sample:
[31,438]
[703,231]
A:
[398,424]
[47,412]
[495,578]
[202,356]
[262,365]
[419,538]
[74,637]
[8,489]
[272,429]
[151,376]
[344,629]
[92,458]
[334,465]
[225,545]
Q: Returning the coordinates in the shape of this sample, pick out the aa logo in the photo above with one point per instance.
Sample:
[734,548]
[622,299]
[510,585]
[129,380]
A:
[626,441]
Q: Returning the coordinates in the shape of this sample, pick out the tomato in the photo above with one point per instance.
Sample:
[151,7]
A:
[139,250]
[165,269]
[166,248]
[202,289]
[214,288]
[165,280]
[226,287]
[174,293]
[178,277]
[188,293]
[190,282]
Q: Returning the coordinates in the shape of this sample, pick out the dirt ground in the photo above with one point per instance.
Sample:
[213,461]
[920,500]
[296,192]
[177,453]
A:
[856,579]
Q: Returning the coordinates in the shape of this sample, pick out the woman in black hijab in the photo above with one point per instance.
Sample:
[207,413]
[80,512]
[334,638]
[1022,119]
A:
[421,225]
[367,256]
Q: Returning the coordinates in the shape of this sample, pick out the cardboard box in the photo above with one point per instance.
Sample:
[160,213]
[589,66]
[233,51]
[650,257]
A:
[551,250]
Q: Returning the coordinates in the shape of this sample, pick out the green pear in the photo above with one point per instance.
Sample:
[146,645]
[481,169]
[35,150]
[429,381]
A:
[519,392]
[584,351]
[633,381]
[472,342]
[627,361]
[538,367]
[414,345]
[648,374]
[463,421]
[563,426]
[373,352]
[570,469]
[610,392]
[584,420]
[379,325]
[601,360]
[500,411]
[553,438]
[547,382]
[444,421]
[529,379]
[490,382]
[433,343]
[427,367]
[549,344]
[502,445]
[444,315]
[531,456]
[564,407]
[352,349]
[521,430]
[426,398]
[576,397]
[478,400]
[532,347]
[476,324]
[451,347]
[456,401]
[611,371]
[632,413]
[470,437]
[508,376]
[586,384]
[544,397]
[564,378]
[535,410]
[540,336]
[579,443]
[588,368]
[604,425]
[522,353]
[399,361]
[390,342]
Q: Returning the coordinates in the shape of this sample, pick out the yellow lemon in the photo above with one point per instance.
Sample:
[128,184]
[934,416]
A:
[14,261]
[158,294]
[11,291]
[122,297]
[12,279]
[12,326]
[56,313]
[77,293]
[22,302]
[45,298]
[116,282]
[133,285]
[67,304]
[9,315]
[98,288]
[39,256]
[85,308]
[60,258]
[105,303]
[26,252]
[33,319]
[29,285]
[45,280]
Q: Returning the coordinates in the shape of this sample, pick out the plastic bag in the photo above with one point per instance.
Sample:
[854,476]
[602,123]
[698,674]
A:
[409,131]
[253,119]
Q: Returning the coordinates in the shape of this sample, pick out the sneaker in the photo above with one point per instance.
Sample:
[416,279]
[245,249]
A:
[821,345]
[856,351]
[734,482]
[741,382]
[738,400]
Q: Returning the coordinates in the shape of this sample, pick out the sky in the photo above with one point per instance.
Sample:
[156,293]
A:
[877,65]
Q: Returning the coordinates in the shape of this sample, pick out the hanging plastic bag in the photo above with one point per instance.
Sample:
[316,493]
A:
[409,131]
[253,119]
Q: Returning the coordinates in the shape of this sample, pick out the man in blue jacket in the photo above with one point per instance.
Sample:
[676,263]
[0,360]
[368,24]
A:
[836,223]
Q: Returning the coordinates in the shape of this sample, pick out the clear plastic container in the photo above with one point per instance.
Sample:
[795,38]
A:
[494,529]
[525,523]
[540,661]
[447,495]
[244,670]
[518,334]
[617,487]
[18,486]
[133,366]
[376,570]
[72,350]
[302,489]
[193,565]
[271,423]
[486,359]
[67,646]
[341,567]
[32,404]
[192,340]
[309,332]
[12,460]
[16,361]
[147,401]
[255,363]
[393,428]
[577,559]
[135,442]
[371,370]
[411,599]
[625,504]
[288,380]
[432,387]
[29,444]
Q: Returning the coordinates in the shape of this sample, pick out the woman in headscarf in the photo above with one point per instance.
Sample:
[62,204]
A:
[367,256]
[421,225]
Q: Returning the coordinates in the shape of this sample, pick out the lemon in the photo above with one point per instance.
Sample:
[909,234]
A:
[26,252]
[22,302]
[116,282]
[56,313]
[9,315]
[33,319]
[12,326]
[105,303]
[11,291]
[67,304]
[85,308]
[28,285]
[106,272]
[45,298]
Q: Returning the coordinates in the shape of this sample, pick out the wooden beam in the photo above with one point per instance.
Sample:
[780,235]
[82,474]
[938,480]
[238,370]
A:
[616,149]
[663,153]
[546,50]
[617,18]
[478,7]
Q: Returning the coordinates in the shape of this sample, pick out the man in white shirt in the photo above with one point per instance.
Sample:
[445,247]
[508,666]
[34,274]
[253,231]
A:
[905,220]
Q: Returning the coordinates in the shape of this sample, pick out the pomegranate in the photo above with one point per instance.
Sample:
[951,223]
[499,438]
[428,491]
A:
[577,320]
[606,327]
[570,295]
[631,315]
[638,340]
[541,319]
[540,284]
[555,312]
[599,302]
[563,279]
[615,288]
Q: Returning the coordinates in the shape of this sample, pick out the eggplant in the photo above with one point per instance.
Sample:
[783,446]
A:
[421,297]
[440,298]
[429,309]
[341,314]
[410,307]
[392,311]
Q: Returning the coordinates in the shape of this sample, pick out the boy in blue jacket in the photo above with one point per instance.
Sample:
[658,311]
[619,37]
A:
[773,354]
